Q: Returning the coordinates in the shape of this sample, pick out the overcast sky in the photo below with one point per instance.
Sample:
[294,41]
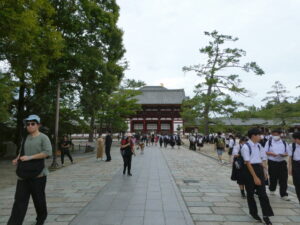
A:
[162,36]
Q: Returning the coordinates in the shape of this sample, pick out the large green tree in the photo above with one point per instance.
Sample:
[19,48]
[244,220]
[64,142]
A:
[28,41]
[219,78]
[101,53]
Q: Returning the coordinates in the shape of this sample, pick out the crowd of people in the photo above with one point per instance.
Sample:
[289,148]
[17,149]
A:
[260,160]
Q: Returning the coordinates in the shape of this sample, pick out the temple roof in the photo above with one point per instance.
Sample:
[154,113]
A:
[160,95]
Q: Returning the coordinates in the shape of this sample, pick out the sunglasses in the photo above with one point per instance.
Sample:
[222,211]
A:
[30,124]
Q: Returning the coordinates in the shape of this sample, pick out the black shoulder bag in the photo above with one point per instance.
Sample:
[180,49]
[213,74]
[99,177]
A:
[29,169]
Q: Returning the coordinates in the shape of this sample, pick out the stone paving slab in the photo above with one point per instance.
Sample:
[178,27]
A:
[68,189]
[212,198]
[149,197]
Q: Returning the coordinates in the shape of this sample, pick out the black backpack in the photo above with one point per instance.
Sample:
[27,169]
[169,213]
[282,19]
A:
[29,169]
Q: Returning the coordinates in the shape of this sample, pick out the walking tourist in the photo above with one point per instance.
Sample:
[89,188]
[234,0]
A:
[108,143]
[178,140]
[220,146]
[192,140]
[127,150]
[31,173]
[255,160]
[199,140]
[166,141]
[100,147]
[231,144]
[161,140]
[172,140]
[152,139]
[65,150]
[238,166]
[277,151]
[156,139]
[294,162]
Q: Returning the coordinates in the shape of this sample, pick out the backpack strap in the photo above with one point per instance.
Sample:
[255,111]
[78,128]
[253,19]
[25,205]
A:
[285,146]
[23,145]
[250,149]
[293,150]
[284,143]
[270,143]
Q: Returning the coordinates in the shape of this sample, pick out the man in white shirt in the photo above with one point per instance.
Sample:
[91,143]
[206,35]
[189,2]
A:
[277,151]
[294,162]
[255,160]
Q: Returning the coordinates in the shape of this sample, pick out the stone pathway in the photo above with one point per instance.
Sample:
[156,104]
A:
[68,189]
[149,197]
[212,198]
[168,186]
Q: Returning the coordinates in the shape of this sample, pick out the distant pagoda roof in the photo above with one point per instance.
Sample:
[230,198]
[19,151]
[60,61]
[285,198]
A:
[153,95]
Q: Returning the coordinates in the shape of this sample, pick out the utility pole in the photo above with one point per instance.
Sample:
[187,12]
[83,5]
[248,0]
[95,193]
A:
[54,164]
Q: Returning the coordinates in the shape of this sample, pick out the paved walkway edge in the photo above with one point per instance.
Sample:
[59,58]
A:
[183,206]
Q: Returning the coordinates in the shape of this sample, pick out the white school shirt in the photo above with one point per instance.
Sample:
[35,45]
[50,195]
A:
[236,149]
[257,153]
[276,147]
[296,153]
[231,143]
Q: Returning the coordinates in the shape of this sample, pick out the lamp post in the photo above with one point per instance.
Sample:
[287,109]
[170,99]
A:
[54,162]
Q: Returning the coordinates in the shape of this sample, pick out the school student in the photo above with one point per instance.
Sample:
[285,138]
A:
[238,166]
[220,146]
[277,151]
[231,144]
[294,162]
[254,174]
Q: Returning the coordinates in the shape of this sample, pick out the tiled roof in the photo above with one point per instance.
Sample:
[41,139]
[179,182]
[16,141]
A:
[160,95]
[256,121]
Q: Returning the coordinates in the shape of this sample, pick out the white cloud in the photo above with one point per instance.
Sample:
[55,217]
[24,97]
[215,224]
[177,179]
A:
[162,36]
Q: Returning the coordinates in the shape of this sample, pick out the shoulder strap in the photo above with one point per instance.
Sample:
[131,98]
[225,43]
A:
[270,143]
[285,146]
[23,145]
[250,149]
[294,149]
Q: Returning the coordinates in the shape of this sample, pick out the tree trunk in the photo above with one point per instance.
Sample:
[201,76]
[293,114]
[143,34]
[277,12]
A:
[20,115]
[206,112]
[92,125]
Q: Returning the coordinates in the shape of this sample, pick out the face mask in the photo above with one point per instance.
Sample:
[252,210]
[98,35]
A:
[262,136]
[276,138]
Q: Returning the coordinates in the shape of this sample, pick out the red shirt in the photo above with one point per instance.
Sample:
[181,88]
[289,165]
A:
[124,142]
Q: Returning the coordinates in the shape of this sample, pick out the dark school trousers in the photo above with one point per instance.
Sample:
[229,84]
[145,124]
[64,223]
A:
[107,152]
[261,191]
[127,163]
[26,188]
[278,173]
[296,177]
[63,153]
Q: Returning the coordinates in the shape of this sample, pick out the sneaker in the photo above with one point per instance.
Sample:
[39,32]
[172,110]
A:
[272,192]
[267,220]
[257,218]
[286,198]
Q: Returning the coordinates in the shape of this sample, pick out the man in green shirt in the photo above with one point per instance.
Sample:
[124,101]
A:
[37,146]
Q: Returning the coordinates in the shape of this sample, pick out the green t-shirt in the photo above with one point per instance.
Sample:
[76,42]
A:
[36,145]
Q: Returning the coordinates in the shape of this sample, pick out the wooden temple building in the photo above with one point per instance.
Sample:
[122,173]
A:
[160,112]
